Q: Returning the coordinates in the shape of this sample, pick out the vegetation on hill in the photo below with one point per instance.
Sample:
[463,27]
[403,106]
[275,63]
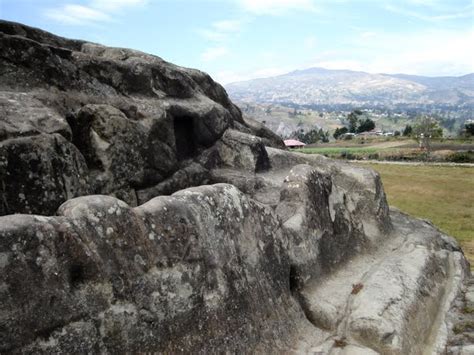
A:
[357,122]
[312,136]
[397,149]
[449,98]
[425,129]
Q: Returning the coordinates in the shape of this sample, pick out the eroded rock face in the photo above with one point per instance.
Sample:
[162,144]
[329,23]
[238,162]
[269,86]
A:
[276,252]
[38,173]
[164,276]
[135,119]
[211,269]
[242,151]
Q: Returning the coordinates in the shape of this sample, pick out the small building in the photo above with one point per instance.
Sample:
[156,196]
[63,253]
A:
[347,136]
[371,133]
[293,143]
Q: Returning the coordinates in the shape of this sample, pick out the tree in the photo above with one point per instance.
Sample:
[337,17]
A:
[469,127]
[447,123]
[357,125]
[366,125]
[425,129]
[324,136]
[312,136]
[407,131]
[353,119]
[340,131]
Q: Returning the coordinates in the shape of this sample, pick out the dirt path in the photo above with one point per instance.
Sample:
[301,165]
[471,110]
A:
[414,163]
[391,144]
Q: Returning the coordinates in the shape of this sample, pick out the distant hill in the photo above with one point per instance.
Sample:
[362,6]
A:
[319,86]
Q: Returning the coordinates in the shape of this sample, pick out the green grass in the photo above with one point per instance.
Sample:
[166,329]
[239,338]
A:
[444,195]
[393,149]
[338,150]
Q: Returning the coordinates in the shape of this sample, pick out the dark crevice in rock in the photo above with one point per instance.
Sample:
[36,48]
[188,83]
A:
[76,275]
[294,279]
[262,163]
[80,127]
[185,139]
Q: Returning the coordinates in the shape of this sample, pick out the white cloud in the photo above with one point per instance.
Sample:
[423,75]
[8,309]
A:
[76,14]
[228,76]
[432,53]
[114,5]
[95,11]
[276,7]
[368,34]
[221,30]
[444,16]
[435,52]
[342,64]
[212,35]
[227,25]
[310,42]
[214,53]
[423,2]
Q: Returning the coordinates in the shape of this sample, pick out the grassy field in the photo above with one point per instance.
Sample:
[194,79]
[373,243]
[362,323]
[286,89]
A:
[338,150]
[444,195]
[395,149]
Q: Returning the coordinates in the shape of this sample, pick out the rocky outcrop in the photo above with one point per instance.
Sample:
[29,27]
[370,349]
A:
[116,278]
[170,227]
[40,172]
[135,119]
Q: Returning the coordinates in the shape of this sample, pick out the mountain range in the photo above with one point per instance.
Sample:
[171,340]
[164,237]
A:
[319,86]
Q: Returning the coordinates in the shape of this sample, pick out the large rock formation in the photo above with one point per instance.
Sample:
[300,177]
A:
[143,214]
[130,119]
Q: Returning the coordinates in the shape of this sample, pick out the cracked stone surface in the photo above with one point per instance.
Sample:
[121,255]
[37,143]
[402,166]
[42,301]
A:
[141,213]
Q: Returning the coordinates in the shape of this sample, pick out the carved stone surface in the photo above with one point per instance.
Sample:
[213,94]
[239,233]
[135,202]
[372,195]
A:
[276,252]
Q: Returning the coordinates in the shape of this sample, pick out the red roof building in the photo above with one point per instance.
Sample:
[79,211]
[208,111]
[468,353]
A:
[293,143]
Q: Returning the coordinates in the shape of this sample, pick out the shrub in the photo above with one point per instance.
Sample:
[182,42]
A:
[462,157]
[366,125]
[340,131]
[345,154]
[407,131]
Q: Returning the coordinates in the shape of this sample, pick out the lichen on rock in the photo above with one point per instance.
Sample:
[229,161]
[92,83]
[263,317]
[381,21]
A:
[141,213]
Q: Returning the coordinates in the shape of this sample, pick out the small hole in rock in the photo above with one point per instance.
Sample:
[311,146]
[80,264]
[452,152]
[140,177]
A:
[184,137]
[294,279]
[76,275]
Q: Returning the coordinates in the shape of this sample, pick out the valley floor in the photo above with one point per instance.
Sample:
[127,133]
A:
[442,194]
[395,149]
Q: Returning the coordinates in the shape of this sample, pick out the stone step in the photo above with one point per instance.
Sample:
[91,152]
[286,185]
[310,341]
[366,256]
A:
[392,300]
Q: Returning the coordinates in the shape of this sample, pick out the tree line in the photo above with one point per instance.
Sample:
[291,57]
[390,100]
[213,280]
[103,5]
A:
[357,122]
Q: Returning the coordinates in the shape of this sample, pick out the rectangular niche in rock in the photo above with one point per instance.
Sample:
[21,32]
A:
[184,137]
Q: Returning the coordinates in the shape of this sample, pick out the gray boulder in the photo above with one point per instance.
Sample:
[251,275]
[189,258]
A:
[284,253]
[40,172]
[242,151]
[135,118]
[192,175]
[109,278]
[269,138]
[23,115]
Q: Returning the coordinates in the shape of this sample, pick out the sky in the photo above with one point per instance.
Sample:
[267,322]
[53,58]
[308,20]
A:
[235,40]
